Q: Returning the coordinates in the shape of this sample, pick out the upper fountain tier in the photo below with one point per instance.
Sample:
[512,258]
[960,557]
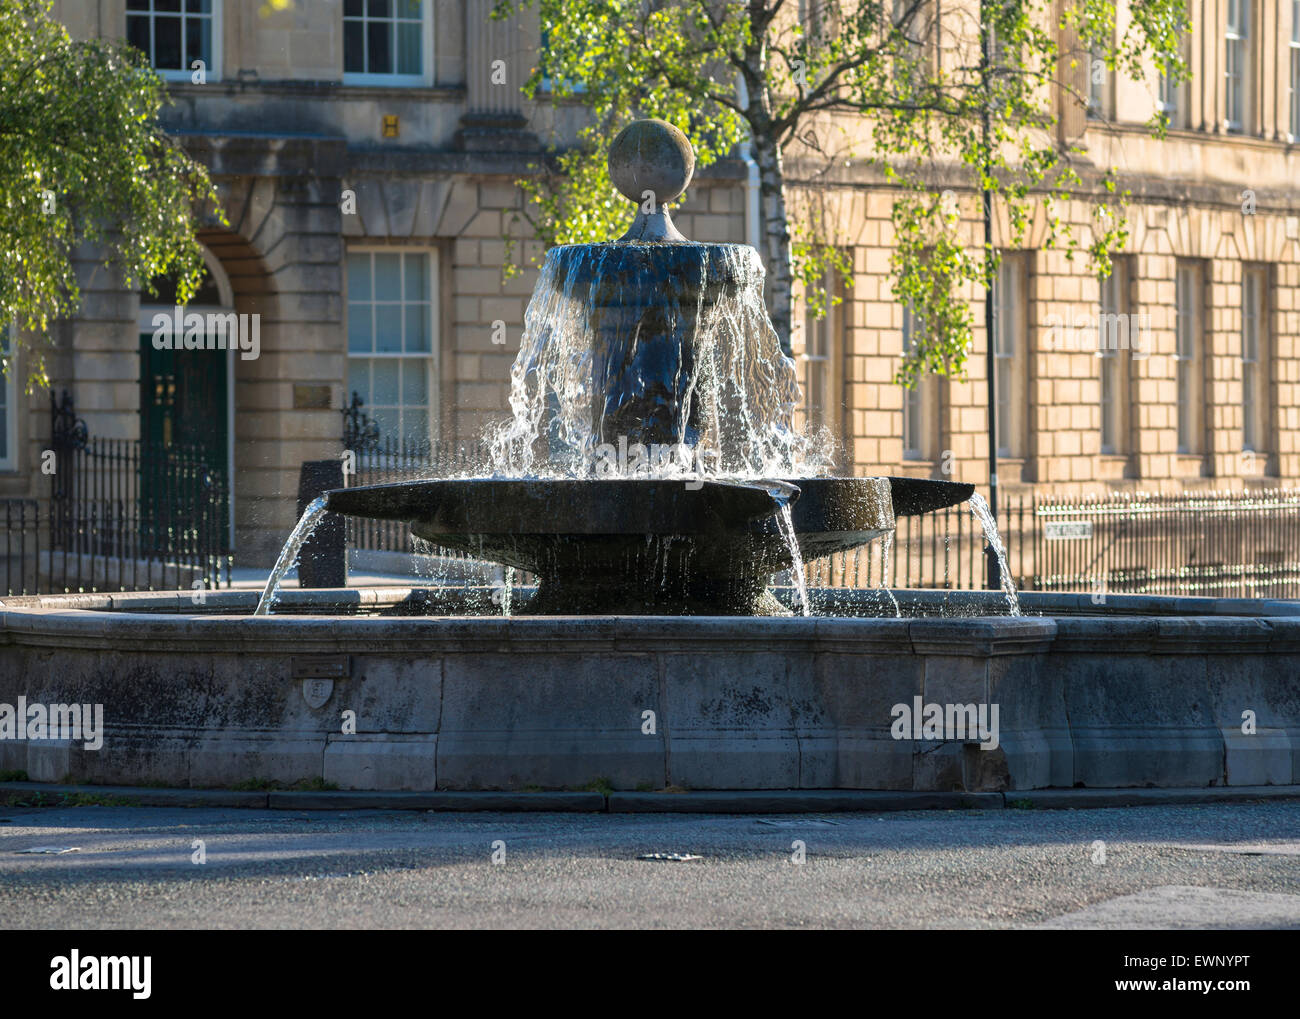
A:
[655,340]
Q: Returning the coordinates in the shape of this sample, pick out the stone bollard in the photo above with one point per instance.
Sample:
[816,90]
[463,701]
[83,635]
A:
[323,561]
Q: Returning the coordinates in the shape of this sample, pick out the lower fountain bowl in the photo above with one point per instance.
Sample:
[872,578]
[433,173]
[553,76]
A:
[649,547]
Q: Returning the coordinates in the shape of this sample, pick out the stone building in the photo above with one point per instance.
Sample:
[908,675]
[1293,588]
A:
[367,154]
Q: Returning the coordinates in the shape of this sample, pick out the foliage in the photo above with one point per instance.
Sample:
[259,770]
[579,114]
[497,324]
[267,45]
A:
[933,126]
[84,162]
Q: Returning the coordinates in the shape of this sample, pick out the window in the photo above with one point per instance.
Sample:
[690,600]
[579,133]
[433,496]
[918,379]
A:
[1010,356]
[1254,343]
[391,314]
[920,434]
[1099,81]
[175,34]
[1171,99]
[387,42]
[8,403]
[907,19]
[1188,327]
[1295,70]
[1112,340]
[819,360]
[1237,65]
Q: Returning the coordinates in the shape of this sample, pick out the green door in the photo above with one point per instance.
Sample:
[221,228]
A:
[184,428]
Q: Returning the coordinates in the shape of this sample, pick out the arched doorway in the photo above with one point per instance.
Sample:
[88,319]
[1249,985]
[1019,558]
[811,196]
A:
[186,391]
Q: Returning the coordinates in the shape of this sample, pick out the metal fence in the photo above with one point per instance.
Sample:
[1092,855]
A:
[1219,544]
[1223,544]
[381,461]
[122,515]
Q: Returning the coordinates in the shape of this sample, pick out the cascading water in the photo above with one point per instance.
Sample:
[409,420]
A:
[785,521]
[979,507]
[691,382]
[316,510]
[885,551]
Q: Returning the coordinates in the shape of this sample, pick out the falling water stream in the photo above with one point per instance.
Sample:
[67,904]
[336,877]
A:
[980,508]
[785,521]
[289,554]
[884,572]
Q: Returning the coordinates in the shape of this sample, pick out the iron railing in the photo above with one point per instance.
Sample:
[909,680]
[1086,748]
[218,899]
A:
[1215,544]
[384,460]
[1225,544]
[122,515]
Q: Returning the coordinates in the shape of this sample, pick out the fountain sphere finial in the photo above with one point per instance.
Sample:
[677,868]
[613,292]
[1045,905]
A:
[654,156]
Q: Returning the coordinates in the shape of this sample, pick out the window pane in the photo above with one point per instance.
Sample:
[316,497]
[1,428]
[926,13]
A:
[358,379]
[167,5]
[359,328]
[415,382]
[416,427]
[388,328]
[352,8]
[408,48]
[380,9]
[359,277]
[137,5]
[385,375]
[379,47]
[387,419]
[137,33]
[167,43]
[198,34]
[417,328]
[410,9]
[415,273]
[199,6]
[354,50]
[388,284]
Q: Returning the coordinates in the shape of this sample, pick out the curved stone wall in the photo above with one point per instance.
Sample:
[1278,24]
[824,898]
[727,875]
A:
[202,696]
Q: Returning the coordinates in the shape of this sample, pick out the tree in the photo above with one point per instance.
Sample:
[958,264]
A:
[83,161]
[901,85]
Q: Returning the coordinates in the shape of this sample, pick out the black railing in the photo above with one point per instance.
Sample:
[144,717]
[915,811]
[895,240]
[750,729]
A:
[385,460]
[20,567]
[127,515]
[1224,544]
[122,515]
[1219,544]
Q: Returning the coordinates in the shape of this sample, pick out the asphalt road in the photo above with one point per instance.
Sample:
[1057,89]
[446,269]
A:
[1215,866]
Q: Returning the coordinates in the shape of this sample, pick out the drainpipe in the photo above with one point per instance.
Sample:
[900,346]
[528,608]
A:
[752,212]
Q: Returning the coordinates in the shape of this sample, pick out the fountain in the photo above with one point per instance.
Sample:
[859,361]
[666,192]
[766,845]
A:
[651,476]
[652,454]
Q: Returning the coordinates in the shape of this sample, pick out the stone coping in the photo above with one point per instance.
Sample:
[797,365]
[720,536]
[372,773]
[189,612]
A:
[793,801]
[361,620]
[296,601]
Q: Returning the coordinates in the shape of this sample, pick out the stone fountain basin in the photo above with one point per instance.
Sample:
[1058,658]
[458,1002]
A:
[648,546]
[1138,691]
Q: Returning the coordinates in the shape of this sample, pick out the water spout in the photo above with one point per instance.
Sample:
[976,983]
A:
[289,554]
[980,508]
